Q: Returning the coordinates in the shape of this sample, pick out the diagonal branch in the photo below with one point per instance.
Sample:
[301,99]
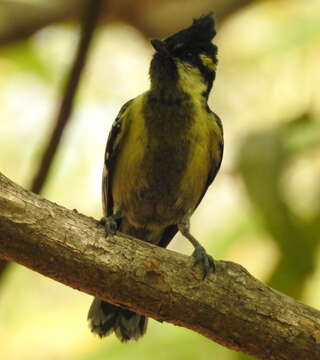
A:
[88,24]
[230,307]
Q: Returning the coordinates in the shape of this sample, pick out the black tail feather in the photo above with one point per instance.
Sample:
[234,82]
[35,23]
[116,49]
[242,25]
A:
[105,318]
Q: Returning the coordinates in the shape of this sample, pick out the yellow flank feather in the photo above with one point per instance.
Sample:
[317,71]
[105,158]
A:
[127,173]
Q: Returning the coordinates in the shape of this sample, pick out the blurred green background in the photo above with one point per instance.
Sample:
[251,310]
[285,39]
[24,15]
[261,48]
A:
[263,210]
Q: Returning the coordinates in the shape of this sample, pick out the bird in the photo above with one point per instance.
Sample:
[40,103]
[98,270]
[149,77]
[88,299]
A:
[164,149]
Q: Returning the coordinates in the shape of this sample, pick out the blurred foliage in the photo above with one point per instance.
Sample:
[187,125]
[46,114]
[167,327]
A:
[263,210]
[262,160]
[27,59]
[164,340]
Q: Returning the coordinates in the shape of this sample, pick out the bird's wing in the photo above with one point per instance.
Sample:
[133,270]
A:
[111,152]
[171,230]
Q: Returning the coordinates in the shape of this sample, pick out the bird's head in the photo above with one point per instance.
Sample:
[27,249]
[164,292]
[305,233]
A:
[187,59]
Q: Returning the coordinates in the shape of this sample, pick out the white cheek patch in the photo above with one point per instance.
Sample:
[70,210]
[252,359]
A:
[208,62]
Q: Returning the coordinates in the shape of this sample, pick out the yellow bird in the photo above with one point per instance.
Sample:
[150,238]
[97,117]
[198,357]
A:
[164,150]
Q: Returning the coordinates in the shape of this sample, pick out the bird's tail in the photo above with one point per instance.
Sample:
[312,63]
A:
[105,318]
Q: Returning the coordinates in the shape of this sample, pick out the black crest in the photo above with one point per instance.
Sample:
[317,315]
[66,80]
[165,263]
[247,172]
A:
[200,33]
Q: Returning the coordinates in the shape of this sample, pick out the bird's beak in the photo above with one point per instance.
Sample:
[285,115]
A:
[160,46]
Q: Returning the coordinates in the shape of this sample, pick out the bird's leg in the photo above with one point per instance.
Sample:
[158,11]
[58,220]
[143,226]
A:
[201,257]
[110,223]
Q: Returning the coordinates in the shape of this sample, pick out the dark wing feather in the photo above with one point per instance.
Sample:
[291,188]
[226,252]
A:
[171,230]
[111,152]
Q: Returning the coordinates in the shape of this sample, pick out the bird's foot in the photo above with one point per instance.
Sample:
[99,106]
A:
[110,224]
[204,260]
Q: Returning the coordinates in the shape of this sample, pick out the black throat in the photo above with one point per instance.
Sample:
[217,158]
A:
[168,116]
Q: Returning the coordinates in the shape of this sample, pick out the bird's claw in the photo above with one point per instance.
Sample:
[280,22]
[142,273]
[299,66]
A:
[110,225]
[204,260]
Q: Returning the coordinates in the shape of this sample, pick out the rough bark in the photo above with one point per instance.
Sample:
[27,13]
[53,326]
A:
[230,306]
[88,25]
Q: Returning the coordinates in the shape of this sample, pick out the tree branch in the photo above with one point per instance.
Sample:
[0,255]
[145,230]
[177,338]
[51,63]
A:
[88,24]
[230,306]
[20,20]
[89,21]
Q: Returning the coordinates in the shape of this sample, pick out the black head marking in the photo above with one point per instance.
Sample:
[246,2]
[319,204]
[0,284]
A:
[186,46]
[199,34]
